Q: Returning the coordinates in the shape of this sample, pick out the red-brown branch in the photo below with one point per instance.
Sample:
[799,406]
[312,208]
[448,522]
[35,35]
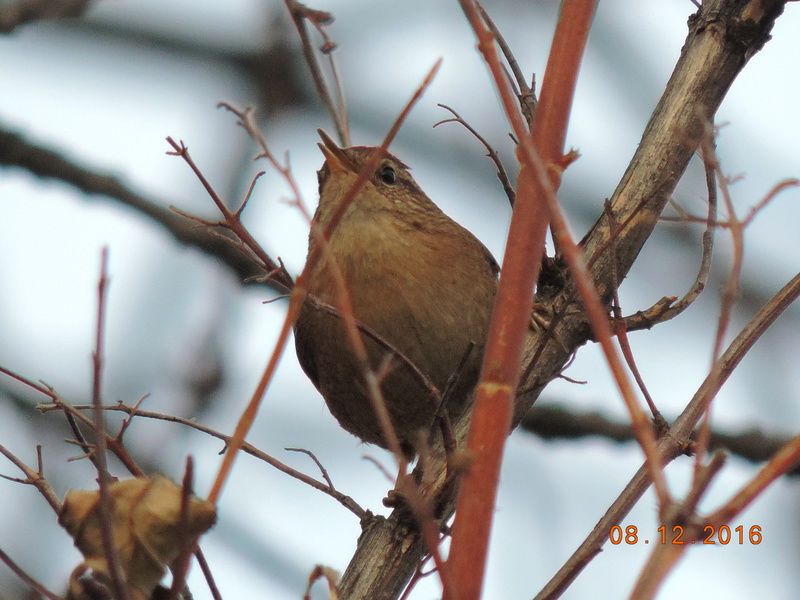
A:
[496,392]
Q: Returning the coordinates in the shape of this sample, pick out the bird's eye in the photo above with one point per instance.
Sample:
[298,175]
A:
[387,175]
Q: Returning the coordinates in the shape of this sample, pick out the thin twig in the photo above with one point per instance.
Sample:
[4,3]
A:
[106,508]
[80,439]
[34,478]
[180,566]
[674,444]
[17,151]
[300,13]
[668,308]
[313,457]
[232,221]
[490,152]
[248,122]
[525,93]
[419,574]
[30,581]
[343,499]
[784,460]
[680,515]
[619,324]
[112,443]
[204,567]
[391,350]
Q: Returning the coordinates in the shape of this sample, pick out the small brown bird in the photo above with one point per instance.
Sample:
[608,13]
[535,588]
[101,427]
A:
[418,282]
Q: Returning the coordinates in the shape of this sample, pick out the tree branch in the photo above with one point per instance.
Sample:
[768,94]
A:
[555,422]
[722,36]
[17,151]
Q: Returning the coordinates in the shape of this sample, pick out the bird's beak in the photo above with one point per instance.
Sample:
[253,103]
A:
[335,156]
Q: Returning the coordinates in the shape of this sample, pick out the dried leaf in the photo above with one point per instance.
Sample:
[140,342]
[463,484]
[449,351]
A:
[148,531]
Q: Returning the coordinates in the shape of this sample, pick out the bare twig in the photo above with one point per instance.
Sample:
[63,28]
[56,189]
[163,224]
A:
[113,444]
[34,478]
[248,122]
[17,151]
[343,499]
[674,444]
[667,308]
[180,566]
[419,574]
[490,152]
[737,228]
[212,585]
[683,517]
[232,221]
[619,325]
[525,92]
[313,457]
[30,581]
[392,351]
[541,158]
[784,460]
[106,508]
[300,14]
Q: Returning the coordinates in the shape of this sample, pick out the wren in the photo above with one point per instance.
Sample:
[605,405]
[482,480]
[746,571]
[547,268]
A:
[421,286]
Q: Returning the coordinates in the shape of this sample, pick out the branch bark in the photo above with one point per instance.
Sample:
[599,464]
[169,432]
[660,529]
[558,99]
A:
[723,36]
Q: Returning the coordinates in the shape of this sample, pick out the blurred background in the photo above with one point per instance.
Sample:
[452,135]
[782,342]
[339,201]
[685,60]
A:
[105,90]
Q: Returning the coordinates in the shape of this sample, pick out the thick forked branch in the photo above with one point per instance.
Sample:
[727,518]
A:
[723,35]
